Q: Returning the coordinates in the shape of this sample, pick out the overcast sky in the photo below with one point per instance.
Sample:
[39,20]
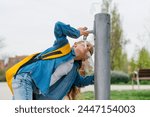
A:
[27,25]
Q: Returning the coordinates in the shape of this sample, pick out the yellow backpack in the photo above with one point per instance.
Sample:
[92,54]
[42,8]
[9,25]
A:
[62,51]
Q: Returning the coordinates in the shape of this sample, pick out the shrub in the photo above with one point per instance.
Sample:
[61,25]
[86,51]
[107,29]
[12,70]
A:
[119,77]
[2,76]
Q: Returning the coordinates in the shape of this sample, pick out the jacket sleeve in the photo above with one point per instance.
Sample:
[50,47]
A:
[62,30]
[84,81]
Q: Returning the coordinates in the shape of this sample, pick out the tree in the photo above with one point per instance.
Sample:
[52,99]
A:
[106,6]
[133,65]
[143,59]
[117,56]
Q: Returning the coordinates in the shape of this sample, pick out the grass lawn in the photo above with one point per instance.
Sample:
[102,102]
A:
[120,95]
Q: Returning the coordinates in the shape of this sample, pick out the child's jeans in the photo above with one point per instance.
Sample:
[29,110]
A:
[23,87]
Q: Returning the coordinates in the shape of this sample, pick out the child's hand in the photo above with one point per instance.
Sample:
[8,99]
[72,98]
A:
[83,31]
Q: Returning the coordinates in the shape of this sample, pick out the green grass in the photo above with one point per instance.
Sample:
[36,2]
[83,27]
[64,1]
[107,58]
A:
[120,95]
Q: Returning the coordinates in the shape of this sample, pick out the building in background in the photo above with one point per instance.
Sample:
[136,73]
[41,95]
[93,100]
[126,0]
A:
[13,60]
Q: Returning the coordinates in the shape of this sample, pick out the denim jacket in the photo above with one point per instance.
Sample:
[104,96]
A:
[63,85]
[42,70]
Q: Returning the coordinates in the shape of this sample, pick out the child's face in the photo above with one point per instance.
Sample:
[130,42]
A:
[81,50]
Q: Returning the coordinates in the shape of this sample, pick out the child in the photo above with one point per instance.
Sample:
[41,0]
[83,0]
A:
[75,91]
[52,79]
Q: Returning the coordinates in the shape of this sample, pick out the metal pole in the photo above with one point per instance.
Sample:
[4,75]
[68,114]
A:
[102,56]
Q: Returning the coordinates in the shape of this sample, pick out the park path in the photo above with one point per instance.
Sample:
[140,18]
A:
[5,93]
[118,87]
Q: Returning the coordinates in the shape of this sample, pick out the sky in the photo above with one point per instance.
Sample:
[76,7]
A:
[27,25]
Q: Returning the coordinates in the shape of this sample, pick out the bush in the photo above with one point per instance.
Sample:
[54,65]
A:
[119,77]
[2,76]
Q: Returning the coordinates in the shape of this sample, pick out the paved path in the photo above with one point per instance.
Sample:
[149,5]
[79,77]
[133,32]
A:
[5,93]
[118,87]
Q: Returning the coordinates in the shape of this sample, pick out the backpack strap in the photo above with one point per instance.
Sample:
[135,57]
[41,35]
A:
[57,53]
[51,55]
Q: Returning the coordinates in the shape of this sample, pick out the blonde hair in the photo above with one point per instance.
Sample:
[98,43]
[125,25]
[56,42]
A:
[73,93]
